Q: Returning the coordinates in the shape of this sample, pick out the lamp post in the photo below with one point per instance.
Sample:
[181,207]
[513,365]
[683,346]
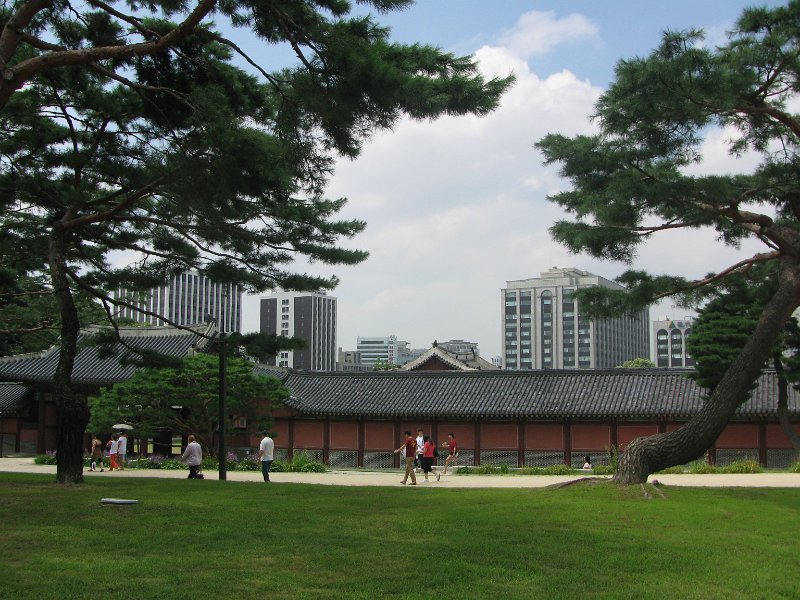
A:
[223,455]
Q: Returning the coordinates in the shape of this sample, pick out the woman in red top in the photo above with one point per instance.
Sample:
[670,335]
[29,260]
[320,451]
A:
[427,457]
[453,446]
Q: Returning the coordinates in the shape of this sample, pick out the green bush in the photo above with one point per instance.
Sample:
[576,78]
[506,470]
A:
[676,470]
[313,467]
[302,462]
[251,462]
[603,470]
[742,466]
[701,467]
[463,470]
[278,466]
[558,470]
[795,467]
[45,459]
[505,469]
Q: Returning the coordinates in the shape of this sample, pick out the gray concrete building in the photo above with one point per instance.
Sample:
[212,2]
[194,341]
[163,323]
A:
[544,327]
[188,299]
[306,315]
[670,337]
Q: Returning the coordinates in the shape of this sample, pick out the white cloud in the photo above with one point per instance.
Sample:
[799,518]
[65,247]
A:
[457,206]
[537,33]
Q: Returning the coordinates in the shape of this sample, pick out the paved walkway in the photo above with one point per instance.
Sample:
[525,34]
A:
[392,478]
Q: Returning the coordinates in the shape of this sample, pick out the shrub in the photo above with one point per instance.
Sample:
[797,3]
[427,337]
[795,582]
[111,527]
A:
[251,462]
[463,470]
[742,466]
[794,467]
[278,466]
[558,470]
[45,459]
[505,469]
[676,470]
[302,462]
[701,467]
[604,470]
[531,471]
[313,467]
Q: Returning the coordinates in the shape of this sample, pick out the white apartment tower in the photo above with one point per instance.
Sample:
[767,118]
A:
[544,327]
[189,298]
[307,315]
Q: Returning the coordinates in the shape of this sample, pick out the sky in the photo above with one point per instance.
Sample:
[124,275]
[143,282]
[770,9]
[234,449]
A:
[457,207]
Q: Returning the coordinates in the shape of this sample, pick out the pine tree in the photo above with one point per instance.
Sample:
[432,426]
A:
[630,182]
[163,152]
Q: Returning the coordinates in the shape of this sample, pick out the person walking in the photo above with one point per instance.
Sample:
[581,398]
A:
[409,447]
[428,451]
[193,458]
[122,449]
[266,451]
[452,455]
[112,451]
[418,455]
[96,453]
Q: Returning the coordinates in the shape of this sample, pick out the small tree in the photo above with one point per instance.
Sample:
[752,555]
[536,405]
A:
[638,363]
[185,400]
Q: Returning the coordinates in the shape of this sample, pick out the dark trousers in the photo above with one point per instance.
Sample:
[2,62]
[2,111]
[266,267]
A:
[265,465]
[194,472]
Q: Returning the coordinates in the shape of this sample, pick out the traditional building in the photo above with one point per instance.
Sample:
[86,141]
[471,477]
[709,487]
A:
[439,358]
[529,418]
[27,409]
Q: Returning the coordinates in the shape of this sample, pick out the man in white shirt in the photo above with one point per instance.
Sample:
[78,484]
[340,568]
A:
[122,449]
[193,457]
[420,450]
[265,454]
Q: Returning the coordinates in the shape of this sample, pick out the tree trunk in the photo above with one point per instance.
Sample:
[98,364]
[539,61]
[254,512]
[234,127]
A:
[647,455]
[783,407]
[73,412]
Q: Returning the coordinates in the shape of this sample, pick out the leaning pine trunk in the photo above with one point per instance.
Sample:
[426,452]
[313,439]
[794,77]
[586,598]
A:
[73,412]
[644,456]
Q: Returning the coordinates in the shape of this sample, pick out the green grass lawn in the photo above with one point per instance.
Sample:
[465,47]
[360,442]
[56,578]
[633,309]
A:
[209,539]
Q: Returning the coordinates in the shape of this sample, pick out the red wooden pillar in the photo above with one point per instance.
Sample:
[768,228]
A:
[567,444]
[40,449]
[435,432]
[326,441]
[477,449]
[522,443]
[762,444]
[614,435]
[712,455]
[290,449]
[397,434]
[662,426]
[361,441]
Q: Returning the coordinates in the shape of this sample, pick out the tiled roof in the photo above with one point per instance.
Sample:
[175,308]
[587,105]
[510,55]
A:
[90,368]
[473,363]
[637,394]
[11,394]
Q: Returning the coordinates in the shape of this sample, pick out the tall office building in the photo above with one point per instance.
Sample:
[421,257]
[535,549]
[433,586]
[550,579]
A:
[670,338]
[544,327]
[188,299]
[306,315]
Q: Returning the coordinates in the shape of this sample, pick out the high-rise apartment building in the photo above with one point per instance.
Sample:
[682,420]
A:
[544,327]
[189,298]
[306,315]
[670,342]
